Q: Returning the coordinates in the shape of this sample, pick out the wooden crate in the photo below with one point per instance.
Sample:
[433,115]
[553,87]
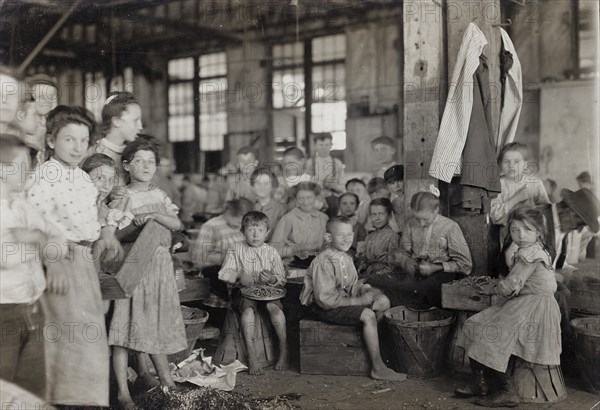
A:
[332,349]
[459,297]
[195,289]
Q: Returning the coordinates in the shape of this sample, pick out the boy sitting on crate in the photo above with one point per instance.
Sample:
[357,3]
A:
[253,263]
[331,285]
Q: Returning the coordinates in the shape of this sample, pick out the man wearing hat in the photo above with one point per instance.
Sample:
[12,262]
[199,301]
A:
[394,177]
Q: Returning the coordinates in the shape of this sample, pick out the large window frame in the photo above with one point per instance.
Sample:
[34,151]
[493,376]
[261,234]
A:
[308,66]
[189,152]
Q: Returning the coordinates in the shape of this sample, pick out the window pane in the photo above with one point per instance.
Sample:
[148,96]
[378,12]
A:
[181,69]
[181,128]
[588,38]
[288,88]
[213,64]
[181,99]
[329,48]
[329,83]
[213,114]
[288,54]
[331,117]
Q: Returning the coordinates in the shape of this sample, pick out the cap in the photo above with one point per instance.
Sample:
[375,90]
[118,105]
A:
[394,173]
[585,204]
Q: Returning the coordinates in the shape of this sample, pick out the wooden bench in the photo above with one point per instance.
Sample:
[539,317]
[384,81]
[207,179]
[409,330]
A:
[332,349]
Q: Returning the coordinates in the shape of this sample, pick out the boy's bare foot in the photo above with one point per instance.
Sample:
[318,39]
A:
[127,404]
[283,362]
[147,382]
[386,373]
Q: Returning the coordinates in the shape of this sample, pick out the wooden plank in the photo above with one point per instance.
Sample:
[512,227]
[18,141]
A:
[466,298]
[110,287]
[319,334]
[422,71]
[341,361]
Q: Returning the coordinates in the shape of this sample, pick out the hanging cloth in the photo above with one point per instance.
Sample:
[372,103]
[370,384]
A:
[512,92]
[446,159]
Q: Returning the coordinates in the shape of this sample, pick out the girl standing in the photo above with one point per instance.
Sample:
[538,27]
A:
[526,325]
[121,123]
[77,353]
[150,321]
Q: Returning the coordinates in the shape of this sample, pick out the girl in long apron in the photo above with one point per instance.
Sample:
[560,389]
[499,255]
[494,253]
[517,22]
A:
[150,321]
[77,354]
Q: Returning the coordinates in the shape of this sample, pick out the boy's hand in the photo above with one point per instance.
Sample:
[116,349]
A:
[141,219]
[57,281]
[27,235]
[266,276]
[367,298]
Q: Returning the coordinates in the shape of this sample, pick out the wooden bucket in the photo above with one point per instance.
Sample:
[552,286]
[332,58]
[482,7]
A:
[458,361]
[587,350]
[420,339]
[232,344]
[194,321]
[538,383]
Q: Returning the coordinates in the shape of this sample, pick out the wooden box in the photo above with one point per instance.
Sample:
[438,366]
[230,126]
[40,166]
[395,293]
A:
[332,349]
[195,289]
[460,297]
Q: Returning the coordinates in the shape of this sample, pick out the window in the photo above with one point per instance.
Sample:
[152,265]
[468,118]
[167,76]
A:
[588,38]
[198,85]
[213,101]
[181,100]
[329,88]
[326,61]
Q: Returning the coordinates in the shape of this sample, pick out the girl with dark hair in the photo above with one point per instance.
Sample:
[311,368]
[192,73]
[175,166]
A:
[526,324]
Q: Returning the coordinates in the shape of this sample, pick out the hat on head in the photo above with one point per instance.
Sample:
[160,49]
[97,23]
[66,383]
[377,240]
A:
[585,204]
[394,173]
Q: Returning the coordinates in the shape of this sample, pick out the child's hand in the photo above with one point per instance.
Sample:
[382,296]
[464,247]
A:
[118,192]
[367,298]
[302,254]
[57,281]
[141,219]
[27,235]
[266,276]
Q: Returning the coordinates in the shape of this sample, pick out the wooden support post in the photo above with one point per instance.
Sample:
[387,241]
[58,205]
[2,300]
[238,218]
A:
[423,71]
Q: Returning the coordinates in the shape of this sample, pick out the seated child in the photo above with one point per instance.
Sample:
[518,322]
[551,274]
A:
[24,235]
[264,183]
[293,173]
[332,287]
[214,240]
[300,232]
[384,149]
[377,188]
[394,177]
[529,305]
[348,204]
[518,187]
[254,263]
[239,182]
[380,244]
[433,251]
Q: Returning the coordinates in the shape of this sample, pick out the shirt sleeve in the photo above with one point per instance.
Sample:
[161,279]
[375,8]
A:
[281,234]
[278,269]
[499,210]
[458,251]
[230,269]
[326,293]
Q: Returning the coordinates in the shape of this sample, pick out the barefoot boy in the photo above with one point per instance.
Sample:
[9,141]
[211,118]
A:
[254,263]
[331,285]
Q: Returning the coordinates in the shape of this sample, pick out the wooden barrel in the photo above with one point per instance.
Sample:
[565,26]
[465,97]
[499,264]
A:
[232,344]
[458,361]
[420,339]
[194,321]
[538,383]
[587,350]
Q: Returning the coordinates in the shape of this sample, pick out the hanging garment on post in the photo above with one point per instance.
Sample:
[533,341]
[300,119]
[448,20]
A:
[446,159]
[512,100]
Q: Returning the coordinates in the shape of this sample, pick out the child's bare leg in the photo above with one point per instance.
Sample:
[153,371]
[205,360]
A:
[120,357]
[278,320]
[143,370]
[248,330]
[162,368]
[380,304]
[379,370]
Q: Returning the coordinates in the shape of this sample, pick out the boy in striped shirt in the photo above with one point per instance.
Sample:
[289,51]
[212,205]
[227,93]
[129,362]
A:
[254,263]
